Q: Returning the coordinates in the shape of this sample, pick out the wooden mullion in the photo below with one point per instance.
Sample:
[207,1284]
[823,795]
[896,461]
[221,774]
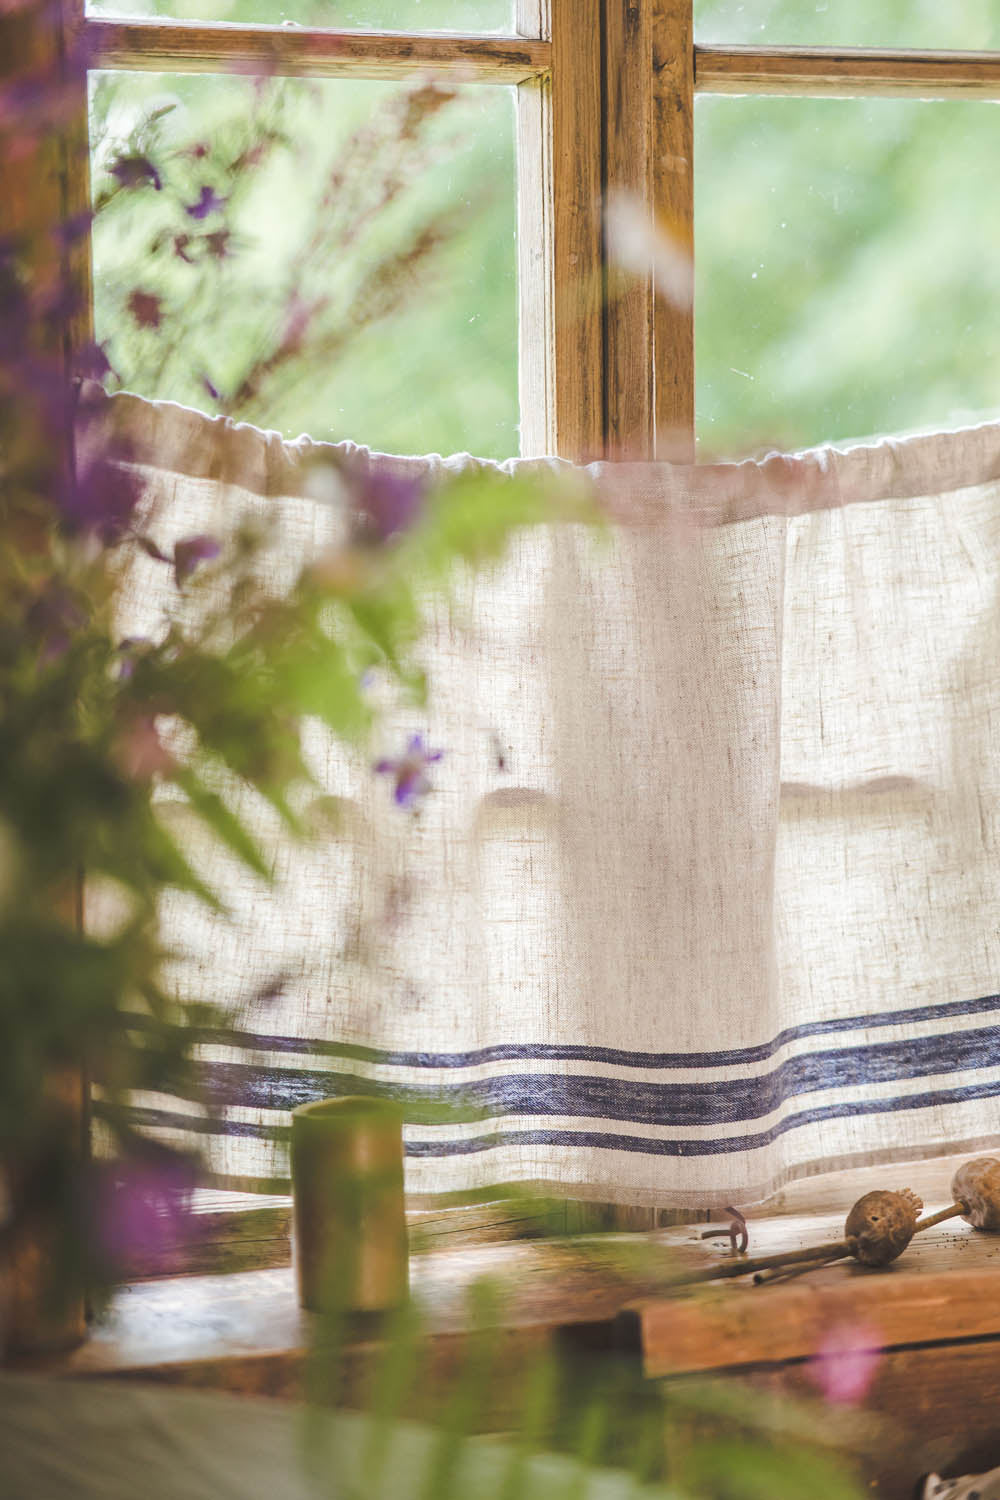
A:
[648,146]
[846,72]
[183,47]
[628,169]
[559,235]
[673,200]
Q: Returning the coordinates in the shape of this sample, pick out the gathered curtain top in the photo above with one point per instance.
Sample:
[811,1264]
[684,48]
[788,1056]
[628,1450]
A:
[181,440]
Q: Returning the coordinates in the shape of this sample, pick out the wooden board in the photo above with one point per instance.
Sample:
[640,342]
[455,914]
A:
[778,1322]
[184,47]
[847,72]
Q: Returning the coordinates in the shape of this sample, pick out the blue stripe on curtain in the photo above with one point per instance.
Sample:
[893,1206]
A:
[557,1052]
[606,1140]
[639,1102]
[495,1103]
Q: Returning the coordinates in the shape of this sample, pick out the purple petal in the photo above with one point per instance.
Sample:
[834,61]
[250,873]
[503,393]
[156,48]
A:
[100,498]
[411,784]
[191,551]
[385,767]
[92,363]
[136,171]
[208,203]
[129,649]
[388,504]
[74,227]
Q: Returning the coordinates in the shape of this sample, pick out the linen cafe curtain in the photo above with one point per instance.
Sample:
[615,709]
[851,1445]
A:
[706,894]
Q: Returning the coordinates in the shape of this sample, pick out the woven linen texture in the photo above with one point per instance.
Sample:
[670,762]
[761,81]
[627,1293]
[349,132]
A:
[705,897]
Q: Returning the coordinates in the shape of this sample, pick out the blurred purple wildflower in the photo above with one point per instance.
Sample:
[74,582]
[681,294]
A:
[388,504]
[146,308]
[74,227]
[91,362]
[129,650]
[217,243]
[410,771]
[191,551]
[208,203]
[100,498]
[135,171]
[53,619]
[844,1365]
[211,388]
[298,317]
[142,1212]
[181,242]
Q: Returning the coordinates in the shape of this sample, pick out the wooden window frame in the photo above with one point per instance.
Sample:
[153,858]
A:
[605,103]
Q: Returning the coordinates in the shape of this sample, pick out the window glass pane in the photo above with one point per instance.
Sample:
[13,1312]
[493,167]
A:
[963,24]
[338,15]
[336,258]
[848,268]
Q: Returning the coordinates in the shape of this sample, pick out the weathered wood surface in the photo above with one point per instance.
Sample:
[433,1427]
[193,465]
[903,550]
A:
[931,1409]
[847,72]
[629,178]
[940,1289]
[219,47]
[673,199]
[937,1383]
[233,1231]
[777,1323]
[560,265]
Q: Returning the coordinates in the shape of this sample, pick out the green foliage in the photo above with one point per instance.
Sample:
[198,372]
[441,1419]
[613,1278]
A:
[577,1424]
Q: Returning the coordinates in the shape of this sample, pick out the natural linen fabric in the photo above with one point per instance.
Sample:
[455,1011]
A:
[705,897]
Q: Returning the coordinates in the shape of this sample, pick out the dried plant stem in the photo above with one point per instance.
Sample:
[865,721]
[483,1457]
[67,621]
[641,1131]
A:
[951,1212]
[832,1250]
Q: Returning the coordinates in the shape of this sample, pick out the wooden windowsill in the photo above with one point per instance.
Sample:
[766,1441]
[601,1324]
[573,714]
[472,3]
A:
[235,1231]
[935,1314]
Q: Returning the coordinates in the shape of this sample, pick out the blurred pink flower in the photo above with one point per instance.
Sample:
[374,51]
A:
[139,751]
[142,1210]
[844,1365]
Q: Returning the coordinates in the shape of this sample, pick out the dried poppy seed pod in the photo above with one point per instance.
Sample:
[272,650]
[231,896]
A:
[880,1226]
[976,1186]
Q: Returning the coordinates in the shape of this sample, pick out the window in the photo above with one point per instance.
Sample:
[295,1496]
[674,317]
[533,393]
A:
[605,101]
